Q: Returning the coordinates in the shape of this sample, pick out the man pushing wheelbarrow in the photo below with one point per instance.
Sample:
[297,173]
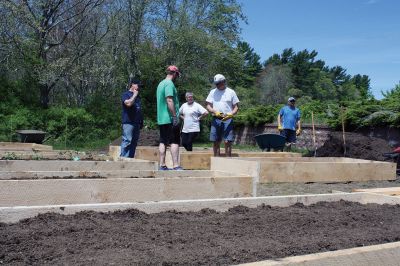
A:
[288,119]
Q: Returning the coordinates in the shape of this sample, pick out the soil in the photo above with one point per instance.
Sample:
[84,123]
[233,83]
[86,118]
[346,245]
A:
[357,146]
[197,238]
[281,189]
[148,137]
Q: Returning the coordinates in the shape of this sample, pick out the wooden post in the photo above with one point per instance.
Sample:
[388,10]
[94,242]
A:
[313,131]
[11,130]
[66,131]
[343,131]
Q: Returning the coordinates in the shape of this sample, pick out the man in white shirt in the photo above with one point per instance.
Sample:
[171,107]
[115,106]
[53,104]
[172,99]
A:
[191,114]
[223,104]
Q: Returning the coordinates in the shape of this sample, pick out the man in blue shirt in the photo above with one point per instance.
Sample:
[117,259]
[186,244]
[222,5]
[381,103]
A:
[288,119]
[132,119]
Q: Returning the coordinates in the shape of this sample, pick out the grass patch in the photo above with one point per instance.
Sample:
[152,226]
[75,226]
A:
[98,144]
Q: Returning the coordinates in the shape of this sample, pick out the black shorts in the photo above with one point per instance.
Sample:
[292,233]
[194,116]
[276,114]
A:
[290,135]
[170,134]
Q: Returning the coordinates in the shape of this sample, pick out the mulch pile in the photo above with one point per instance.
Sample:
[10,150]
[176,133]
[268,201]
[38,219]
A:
[357,146]
[148,137]
[206,237]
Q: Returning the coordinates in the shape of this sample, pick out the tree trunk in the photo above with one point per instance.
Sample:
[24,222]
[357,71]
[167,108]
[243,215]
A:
[44,96]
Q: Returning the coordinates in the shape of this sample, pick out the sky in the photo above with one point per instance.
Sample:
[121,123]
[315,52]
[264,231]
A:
[362,36]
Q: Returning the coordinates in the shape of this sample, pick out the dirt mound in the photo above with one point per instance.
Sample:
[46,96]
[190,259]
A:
[206,237]
[148,137]
[357,146]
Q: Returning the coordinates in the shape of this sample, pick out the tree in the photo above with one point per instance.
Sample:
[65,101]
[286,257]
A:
[316,80]
[252,66]
[43,33]
[392,98]
[274,83]
[362,84]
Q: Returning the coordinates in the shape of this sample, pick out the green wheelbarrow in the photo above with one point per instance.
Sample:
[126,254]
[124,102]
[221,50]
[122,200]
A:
[266,142]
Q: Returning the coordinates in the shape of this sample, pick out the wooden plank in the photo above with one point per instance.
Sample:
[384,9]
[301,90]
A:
[391,191]
[384,254]
[244,167]
[201,160]
[17,146]
[198,159]
[306,159]
[302,172]
[80,191]
[20,165]
[51,155]
[23,175]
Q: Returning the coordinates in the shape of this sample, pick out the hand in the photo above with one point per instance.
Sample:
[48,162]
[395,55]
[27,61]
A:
[175,121]
[135,93]
[298,132]
[227,116]
[219,115]
[280,128]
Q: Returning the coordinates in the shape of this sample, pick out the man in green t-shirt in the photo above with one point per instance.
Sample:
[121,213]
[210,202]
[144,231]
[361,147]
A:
[168,118]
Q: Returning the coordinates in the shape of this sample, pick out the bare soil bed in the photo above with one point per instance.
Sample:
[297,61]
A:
[200,238]
[275,189]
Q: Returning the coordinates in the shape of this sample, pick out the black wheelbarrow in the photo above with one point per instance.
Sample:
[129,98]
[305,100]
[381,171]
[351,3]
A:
[266,142]
[31,136]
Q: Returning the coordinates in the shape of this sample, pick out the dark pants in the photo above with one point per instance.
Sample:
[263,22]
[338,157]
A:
[187,140]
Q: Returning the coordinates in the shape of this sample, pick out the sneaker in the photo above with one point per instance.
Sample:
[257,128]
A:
[178,168]
[163,168]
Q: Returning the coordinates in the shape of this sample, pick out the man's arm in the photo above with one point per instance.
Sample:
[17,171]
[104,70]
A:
[298,120]
[298,125]
[170,105]
[204,114]
[280,122]
[235,109]
[181,114]
[129,102]
[210,108]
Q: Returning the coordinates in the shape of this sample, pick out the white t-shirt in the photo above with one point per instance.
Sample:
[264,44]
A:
[191,114]
[222,100]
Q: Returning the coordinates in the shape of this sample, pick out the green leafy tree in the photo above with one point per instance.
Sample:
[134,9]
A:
[274,83]
[41,31]
[391,98]
[252,66]
[362,83]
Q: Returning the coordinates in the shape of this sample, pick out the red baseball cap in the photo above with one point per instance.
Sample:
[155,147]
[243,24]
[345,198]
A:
[173,68]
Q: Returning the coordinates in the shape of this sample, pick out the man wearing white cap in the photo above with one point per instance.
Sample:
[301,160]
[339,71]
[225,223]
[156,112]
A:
[288,119]
[223,104]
